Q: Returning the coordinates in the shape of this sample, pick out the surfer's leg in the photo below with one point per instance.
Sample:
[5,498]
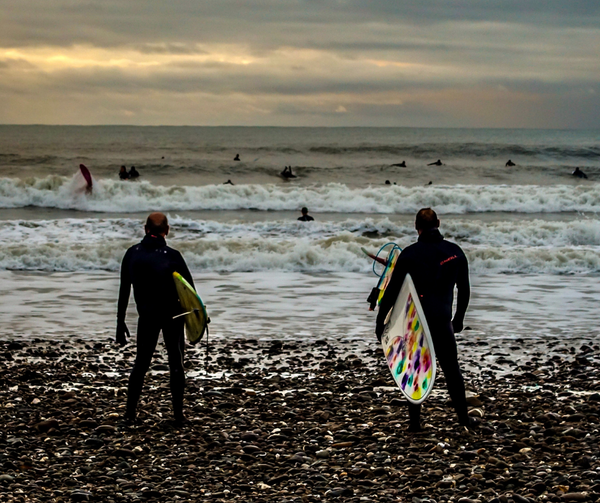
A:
[414,414]
[447,355]
[147,337]
[175,343]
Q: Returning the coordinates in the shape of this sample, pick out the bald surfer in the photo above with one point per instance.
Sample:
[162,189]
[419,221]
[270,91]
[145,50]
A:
[579,174]
[148,267]
[436,163]
[509,163]
[436,266]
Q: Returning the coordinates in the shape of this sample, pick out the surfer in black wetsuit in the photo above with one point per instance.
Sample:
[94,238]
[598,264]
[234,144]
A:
[287,172]
[400,164]
[436,163]
[237,157]
[579,174]
[149,267]
[123,175]
[305,216]
[435,265]
[134,173]
[509,163]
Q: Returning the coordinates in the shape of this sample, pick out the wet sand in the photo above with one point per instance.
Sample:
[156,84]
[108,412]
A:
[298,421]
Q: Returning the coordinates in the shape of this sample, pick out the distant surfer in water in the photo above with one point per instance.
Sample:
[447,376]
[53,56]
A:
[287,172]
[237,157]
[436,163]
[509,163]
[305,216]
[228,182]
[148,267]
[133,173]
[123,175]
[435,266]
[401,164]
[579,174]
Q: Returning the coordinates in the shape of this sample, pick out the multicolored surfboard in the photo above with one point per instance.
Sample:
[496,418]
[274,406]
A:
[383,266]
[407,345]
[386,276]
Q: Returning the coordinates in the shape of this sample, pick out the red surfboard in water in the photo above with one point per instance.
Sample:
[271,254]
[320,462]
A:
[87,175]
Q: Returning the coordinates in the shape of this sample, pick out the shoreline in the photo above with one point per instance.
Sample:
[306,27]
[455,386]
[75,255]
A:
[298,421]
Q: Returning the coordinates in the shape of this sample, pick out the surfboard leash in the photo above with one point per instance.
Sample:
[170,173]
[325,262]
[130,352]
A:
[207,347]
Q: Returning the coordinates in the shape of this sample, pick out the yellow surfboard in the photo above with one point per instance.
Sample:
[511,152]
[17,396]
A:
[195,316]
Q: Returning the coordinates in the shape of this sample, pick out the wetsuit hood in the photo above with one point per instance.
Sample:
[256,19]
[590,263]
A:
[430,236]
[153,242]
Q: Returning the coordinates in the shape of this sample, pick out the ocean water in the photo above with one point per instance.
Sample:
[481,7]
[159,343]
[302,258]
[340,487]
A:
[531,232]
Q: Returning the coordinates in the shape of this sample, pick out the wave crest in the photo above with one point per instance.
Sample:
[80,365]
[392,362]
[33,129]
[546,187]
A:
[114,196]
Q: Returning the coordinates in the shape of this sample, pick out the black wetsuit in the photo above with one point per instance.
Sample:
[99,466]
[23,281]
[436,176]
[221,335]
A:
[149,267]
[305,218]
[435,265]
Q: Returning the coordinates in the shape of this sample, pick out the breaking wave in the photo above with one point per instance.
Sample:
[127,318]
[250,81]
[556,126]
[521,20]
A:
[113,196]
[532,246]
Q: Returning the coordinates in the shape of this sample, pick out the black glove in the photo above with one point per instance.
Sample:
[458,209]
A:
[457,325]
[122,333]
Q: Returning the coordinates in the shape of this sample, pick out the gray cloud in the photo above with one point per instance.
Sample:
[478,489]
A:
[455,62]
[168,48]
[15,64]
[262,22]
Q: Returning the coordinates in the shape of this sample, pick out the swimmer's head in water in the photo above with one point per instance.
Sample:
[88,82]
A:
[426,219]
[304,210]
[157,224]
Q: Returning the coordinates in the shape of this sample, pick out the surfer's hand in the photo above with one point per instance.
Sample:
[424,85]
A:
[457,325]
[122,333]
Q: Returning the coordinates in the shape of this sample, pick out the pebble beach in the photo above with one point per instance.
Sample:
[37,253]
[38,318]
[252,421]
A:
[294,421]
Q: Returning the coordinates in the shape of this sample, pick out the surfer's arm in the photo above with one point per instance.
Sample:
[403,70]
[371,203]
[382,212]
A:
[463,295]
[182,269]
[390,295]
[124,290]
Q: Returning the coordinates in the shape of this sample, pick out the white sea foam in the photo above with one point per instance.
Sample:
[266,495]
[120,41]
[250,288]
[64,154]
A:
[113,196]
[525,246]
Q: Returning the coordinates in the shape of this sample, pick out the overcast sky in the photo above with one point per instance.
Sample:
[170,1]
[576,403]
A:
[450,63]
